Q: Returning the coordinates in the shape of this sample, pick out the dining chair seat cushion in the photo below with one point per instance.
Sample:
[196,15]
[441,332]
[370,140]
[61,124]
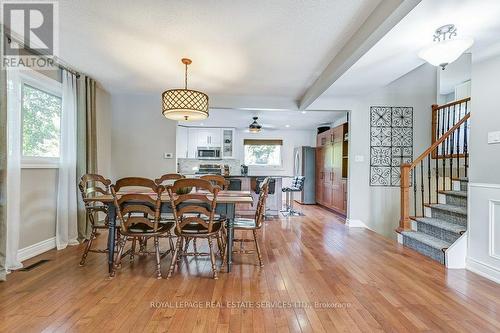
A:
[198,229]
[291,189]
[141,228]
[166,217]
[103,223]
[244,223]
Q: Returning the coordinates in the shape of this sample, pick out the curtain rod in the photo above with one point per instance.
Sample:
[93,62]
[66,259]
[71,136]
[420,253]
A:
[57,60]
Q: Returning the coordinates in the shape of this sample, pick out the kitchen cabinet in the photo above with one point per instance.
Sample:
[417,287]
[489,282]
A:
[205,137]
[228,143]
[210,137]
[181,142]
[331,169]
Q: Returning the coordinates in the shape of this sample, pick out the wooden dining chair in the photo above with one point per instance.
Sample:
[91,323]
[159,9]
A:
[165,180]
[195,218]
[249,224]
[93,186]
[168,177]
[218,180]
[138,210]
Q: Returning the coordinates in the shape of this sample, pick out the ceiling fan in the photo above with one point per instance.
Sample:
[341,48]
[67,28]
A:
[256,127]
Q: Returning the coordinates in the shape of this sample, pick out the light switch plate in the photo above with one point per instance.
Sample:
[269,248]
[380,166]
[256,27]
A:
[493,137]
[168,155]
[359,158]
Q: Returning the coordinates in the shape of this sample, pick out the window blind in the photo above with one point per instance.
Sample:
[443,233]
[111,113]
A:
[263,142]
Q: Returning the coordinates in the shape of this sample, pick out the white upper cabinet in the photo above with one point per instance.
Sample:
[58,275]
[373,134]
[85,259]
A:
[181,142]
[222,138]
[210,137]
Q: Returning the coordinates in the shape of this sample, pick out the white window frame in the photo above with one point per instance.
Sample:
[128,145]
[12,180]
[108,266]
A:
[266,167]
[51,86]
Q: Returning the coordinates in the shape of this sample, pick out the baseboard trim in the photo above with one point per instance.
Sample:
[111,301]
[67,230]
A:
[355,224]
[36,249]
[485,270]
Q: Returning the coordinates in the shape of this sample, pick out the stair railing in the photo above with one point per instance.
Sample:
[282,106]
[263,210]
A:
[434,169]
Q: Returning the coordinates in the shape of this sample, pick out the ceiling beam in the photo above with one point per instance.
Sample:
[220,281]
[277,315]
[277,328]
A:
[383,18]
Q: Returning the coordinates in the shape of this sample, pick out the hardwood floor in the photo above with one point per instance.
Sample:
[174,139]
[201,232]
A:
[327,277]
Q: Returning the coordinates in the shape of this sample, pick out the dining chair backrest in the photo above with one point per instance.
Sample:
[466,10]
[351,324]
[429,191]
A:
[93,186]
[168,177]
[142,206]
[193,208]
[261,204]
[218,180]
[135,185]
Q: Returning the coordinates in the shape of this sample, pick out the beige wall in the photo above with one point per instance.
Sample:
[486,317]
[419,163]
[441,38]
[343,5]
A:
[378,207]
[140,137]
[38,206]
[103,128]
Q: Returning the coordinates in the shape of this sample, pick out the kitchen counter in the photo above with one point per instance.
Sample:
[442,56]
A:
[240,176]
[248,183]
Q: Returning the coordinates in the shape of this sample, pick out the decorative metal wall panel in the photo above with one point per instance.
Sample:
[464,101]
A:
[391,143]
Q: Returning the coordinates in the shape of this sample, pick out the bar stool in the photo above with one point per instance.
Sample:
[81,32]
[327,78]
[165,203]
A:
[297,186]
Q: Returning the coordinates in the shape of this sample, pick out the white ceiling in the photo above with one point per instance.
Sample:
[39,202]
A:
[296,120]
[257,48]
[396,53]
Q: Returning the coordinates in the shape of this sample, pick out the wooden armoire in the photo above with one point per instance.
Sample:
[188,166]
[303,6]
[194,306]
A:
[331,168]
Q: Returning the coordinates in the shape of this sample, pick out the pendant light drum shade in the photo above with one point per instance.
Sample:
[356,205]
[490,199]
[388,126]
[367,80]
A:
[185,105]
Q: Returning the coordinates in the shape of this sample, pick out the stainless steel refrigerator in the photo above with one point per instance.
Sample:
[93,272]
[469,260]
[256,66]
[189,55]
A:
[305,165]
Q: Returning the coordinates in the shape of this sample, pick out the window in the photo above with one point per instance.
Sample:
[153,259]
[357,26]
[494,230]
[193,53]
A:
[263,152]
[41,121]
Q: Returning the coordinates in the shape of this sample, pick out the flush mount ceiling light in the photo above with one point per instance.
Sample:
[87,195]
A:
[445,50]
[185,104]
[254,127]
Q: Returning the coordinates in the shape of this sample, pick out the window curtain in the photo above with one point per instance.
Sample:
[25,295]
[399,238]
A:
[87,144]
[66,222]
[3,168]
[13,184]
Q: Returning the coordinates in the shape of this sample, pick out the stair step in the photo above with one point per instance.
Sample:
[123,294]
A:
[456,198]
[429,240]
[449,208]
[442,224]
[461,179]
[462,194]
[425,244]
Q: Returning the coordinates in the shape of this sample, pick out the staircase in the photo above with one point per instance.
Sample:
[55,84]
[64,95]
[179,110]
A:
[434,190]
[442,224]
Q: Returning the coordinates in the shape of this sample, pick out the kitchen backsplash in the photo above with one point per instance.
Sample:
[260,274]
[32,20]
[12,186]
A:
[190,165]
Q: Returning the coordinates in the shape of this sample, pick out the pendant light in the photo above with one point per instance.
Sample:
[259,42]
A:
[254,127]
[445,50]
[185,104]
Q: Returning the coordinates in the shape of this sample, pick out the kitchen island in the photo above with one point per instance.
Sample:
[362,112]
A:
[240,182]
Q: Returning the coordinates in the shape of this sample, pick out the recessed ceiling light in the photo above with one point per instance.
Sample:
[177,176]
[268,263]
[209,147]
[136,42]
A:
[287,125]
[303,112]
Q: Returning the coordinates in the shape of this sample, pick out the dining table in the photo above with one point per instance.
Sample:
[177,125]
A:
[226,201]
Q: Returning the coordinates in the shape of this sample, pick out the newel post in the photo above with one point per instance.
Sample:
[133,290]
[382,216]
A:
[404,222]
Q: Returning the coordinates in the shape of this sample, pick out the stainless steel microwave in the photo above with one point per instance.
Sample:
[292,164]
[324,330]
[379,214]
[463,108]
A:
[208,153]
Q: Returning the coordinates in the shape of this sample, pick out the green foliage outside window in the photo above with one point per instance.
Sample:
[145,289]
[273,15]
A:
[263,155]
[41,116]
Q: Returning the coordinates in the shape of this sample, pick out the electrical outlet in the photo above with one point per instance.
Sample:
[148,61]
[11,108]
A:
[359,158]
[493,137]
[168,155]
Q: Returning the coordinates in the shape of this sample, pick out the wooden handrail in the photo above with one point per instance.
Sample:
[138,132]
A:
[453,103]
[439,141]
[405,222]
